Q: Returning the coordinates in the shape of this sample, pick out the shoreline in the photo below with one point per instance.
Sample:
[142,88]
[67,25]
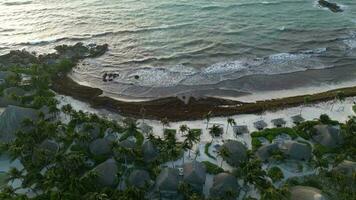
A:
[175,109]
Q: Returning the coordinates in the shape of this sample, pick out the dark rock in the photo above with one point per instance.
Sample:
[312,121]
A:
[332,6]
[73,53]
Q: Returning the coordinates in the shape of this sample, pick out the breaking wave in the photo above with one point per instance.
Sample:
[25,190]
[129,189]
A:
[149,76]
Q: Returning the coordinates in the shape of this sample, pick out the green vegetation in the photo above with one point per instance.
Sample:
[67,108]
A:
[271,134]
[256,143]
[212,168]
[206,150]
[275,173]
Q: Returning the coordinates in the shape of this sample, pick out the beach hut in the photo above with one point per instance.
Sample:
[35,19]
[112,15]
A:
[11,121]
[90,129]
[260,125]
[107,173]
[150,152]
[328,135]
[225,186]
[49,146]
[194,175]
[167,184]
[4,75]
[265,152]
[237,152]
[297,119]
[48,149]
[279,122]
[111,135]
[306,193]
[239,130]
[296,151]
[14,91]
[100,147]
[346,167]
[128,143]
[139,179]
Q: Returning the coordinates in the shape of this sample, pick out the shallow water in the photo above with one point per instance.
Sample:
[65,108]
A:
[202,47]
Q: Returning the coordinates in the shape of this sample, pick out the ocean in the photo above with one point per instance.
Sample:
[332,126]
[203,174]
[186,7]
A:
[163,48]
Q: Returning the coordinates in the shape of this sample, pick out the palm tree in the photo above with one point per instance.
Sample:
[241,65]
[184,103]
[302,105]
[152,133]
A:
[165,123]
[214,131]
[207,118]
[131,126]
[223,153]
[143,113]
[230,122]
[339,96]
[272,193]
[183,128]
[191,138]
[186,147]
[13,174]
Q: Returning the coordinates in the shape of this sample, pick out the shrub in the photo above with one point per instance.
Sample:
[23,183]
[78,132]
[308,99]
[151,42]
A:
[276,174]
[272,133]
[206,151]
[325,119]
[306,129]
[256,143]
[212,168]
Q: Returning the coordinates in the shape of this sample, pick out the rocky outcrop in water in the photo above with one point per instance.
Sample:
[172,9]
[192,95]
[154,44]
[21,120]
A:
[72,53]
[332,6]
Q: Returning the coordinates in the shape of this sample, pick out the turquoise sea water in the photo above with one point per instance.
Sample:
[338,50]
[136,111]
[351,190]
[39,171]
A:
[200,47]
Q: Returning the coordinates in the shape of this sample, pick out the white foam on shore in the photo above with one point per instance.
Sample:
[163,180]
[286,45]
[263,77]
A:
[180,75]
[268,95]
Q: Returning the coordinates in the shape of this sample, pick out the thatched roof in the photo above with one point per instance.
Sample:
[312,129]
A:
[111,135]
[242,129]
[4,75]
[139,178]
[194,175]
[100,146]
[264,152]
[150,151]
[278,122]
[90,129]
[107,173]
[346,167]
[260,124]
[297,119]
[8,92]
[50,146]
[222,184]
[168,180]
[306,193]
[327,135]
[128,143]
[296,151]
[237,152]
[11,121]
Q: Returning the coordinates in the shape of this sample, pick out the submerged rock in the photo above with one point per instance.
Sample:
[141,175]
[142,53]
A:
[332,6]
